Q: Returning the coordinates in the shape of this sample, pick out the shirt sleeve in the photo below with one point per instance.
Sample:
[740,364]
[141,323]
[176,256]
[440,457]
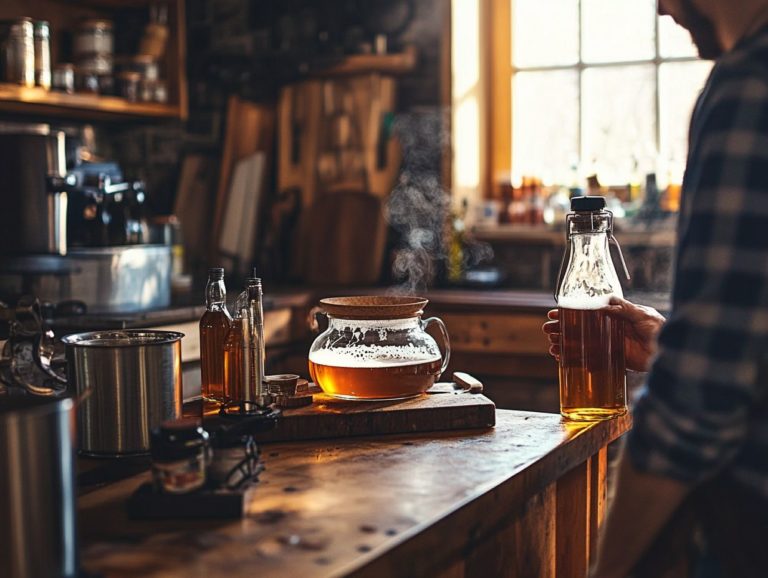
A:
[693,416]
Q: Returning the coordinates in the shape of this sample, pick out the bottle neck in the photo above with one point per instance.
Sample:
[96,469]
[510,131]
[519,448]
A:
[215,295]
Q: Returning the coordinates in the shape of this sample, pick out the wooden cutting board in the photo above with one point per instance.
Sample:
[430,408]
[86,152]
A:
[441,409]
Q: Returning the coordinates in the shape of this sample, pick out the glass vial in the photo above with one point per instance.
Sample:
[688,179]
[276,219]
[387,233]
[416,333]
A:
[214,326]
[253,349]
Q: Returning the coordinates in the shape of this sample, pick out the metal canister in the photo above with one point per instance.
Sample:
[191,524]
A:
[135,375]
[17,51]
[42,54]
[38,507]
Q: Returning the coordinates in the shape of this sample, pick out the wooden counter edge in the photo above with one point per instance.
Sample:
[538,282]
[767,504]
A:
[424,549]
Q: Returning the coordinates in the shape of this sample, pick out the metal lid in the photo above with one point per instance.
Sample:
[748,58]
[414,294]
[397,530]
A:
[587,204]
[178,439]
[122,338]
[96,23]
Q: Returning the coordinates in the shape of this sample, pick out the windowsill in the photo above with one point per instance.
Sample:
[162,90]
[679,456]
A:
[546,235]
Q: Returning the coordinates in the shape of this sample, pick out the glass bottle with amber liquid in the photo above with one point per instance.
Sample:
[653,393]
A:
[233,357]
[214,326]
[592,364]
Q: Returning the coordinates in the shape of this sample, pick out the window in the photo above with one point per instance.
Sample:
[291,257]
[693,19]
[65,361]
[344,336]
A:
[598,86]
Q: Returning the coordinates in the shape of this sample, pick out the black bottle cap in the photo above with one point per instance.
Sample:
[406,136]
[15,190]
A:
[587,204]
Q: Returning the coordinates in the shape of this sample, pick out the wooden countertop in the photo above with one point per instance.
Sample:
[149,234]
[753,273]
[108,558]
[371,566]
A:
[397,505]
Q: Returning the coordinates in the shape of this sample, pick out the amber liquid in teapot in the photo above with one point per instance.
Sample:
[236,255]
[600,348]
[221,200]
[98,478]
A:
[372,379]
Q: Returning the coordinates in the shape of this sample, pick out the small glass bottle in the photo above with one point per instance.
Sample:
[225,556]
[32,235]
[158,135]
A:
[214,326]
[592,363]
[254,393]
[233,357]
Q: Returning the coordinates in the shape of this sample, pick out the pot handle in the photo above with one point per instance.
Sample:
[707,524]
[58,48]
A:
[446,339]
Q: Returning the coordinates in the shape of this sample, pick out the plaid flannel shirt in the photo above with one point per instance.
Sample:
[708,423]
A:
[704,408]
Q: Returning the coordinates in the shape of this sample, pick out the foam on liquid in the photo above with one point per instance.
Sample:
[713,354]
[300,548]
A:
[584,302]
[367,356]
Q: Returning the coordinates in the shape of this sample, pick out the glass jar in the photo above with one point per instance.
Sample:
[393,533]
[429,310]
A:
[94,36]
[377,348]
[180,456]
[17,52]
[592,365]
[42,54]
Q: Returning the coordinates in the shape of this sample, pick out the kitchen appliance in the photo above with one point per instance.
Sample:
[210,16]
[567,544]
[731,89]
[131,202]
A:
[377,348]
[33,218]
[74,234]
[136,380]
[38,533]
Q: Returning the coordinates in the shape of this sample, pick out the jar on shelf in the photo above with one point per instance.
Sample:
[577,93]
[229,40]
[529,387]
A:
[93,36]
[63,78]
[17,51]
[42,40]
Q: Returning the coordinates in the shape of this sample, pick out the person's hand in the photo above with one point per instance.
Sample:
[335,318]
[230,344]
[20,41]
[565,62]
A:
[641,328]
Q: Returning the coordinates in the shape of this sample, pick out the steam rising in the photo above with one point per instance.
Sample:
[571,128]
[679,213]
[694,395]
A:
[419,206]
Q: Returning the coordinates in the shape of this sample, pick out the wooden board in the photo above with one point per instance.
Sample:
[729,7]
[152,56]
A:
[440,410]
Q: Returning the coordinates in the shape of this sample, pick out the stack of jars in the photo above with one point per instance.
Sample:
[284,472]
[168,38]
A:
[25,52]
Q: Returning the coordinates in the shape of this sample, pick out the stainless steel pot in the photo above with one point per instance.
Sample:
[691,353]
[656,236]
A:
[136,380]
[38,530]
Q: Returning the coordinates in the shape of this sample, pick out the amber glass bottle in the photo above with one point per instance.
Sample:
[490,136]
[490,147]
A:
[233,360]
[214,326]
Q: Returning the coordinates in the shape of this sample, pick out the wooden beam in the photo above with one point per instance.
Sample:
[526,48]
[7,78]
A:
[499,117]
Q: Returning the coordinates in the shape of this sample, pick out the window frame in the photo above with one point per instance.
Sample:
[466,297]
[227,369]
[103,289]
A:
[498,23]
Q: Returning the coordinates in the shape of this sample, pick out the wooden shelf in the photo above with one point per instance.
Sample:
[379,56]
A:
[15,98]
[399,63]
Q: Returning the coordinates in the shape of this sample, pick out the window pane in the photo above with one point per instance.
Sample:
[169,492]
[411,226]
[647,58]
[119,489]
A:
[618,30]
[679,86]
[674,40]
[619,122]
[545,124]
[465,49]
[545,32]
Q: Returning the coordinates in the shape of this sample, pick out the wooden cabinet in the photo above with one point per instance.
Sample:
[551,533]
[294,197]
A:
[64,16]
[496,336]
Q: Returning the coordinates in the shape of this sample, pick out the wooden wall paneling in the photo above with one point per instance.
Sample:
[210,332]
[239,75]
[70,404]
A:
[525,547]
[519,334]
[573,522]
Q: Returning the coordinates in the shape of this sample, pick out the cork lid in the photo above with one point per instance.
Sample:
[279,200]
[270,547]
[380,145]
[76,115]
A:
[374,307]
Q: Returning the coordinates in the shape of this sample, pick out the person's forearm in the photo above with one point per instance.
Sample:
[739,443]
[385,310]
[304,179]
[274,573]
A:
[641,506]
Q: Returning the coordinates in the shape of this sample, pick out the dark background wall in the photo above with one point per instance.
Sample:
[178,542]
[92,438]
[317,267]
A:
[252,48]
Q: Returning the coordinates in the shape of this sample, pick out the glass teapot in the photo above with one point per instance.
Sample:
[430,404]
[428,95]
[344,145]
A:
[377,348]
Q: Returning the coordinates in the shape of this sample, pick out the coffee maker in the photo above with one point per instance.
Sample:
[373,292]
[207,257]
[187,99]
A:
[77,232]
